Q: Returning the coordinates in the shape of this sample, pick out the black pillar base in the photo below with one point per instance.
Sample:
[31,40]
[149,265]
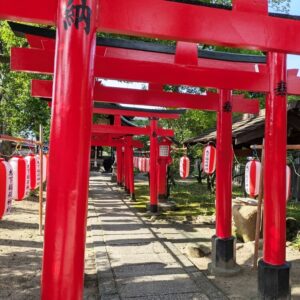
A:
[162,198]
[153,208]
[223,257]
[273,281]
[133,197]
[127,191]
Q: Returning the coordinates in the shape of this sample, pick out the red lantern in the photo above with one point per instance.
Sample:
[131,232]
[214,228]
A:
[184,167]
[33,170]
[209,159]
[252,177]
[288,182]
[20,177]
[6,186]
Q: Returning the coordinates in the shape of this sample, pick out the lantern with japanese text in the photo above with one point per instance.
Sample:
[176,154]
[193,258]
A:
[209,159]
[252,177]
[288,182]
[147,167]
[136,162]
[184,167]
[45,167]
[6,186]
[144,165]
[34,163]
[21,178]
[140,163]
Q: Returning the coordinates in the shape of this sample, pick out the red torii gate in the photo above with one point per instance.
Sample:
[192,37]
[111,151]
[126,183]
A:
[126,160]
[142,19]
[224,216]
[223,224]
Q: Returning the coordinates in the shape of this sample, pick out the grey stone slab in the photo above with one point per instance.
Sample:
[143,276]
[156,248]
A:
[155,285]
[183,296]
[132,239]
[153,247]
[147,269]
[136,259]
[164,258]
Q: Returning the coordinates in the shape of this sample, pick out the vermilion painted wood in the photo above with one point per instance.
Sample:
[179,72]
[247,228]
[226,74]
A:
[113,143]
[131,170]
[224,167]
[117,122]
[134,113]
[275,164]
[186,54]
[115,138]
[126,166]
[40,61]
[129,130]
[153,165]
[146,71]
[29,11]
[210,102]
[70,143]
[227,74]
[159,19]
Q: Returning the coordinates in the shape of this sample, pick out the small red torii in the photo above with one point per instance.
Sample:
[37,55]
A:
[125,152]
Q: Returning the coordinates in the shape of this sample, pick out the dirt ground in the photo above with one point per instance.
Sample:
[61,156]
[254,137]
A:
[21,252]
[21,249]
[240,287]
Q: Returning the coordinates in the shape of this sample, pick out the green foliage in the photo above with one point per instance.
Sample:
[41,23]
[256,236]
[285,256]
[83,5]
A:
[20,114]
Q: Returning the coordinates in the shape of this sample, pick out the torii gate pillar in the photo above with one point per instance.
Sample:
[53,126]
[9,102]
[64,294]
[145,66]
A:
[131,170]
[126,167]
[274,271]
[153,165]
[223,243]
[117,122]
[70,141]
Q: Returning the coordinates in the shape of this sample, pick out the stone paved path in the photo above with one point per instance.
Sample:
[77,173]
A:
[134,261]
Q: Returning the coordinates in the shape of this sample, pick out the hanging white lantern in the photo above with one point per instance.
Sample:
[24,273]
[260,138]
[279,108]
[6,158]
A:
[45,167]
[140,164]
[147,169]
[209,159]
[33,171]
[184,167]
[21,179]
[6,187]
[252,177]
[288,182]
[144,164]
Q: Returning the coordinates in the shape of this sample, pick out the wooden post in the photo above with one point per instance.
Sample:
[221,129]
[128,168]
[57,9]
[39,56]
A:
[259,206]
[41,182]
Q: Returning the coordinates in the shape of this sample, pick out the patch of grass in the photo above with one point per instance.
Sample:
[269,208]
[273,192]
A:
[293,211]
[142,197]
[194,199]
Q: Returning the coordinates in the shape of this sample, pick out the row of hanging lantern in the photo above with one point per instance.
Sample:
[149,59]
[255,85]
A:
[252,179]
[17,177]
[208,159]
[142,164]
